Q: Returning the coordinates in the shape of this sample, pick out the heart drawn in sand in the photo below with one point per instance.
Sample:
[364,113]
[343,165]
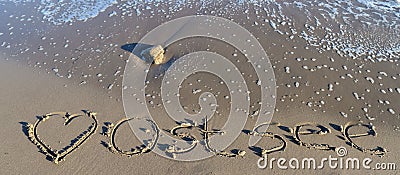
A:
[57,156]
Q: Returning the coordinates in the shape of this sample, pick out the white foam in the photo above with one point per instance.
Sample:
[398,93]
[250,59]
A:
[17,1]
[61,11]
[64,11]
[375,45]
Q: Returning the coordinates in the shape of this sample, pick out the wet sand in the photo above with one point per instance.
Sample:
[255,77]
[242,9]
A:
[50,94]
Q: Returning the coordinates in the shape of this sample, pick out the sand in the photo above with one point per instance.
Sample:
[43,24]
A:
[21,156]
[313,85]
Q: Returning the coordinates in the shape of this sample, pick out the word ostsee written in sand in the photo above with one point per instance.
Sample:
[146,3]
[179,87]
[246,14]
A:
[111,131]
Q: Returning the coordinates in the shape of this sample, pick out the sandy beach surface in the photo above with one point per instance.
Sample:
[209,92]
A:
[328,71]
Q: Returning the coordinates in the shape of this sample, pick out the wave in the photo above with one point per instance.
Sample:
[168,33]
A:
[65,11]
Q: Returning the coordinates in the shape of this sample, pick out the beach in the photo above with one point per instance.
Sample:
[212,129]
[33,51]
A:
[329,69]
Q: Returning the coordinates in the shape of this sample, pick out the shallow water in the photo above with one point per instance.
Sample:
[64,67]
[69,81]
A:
[351,28]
